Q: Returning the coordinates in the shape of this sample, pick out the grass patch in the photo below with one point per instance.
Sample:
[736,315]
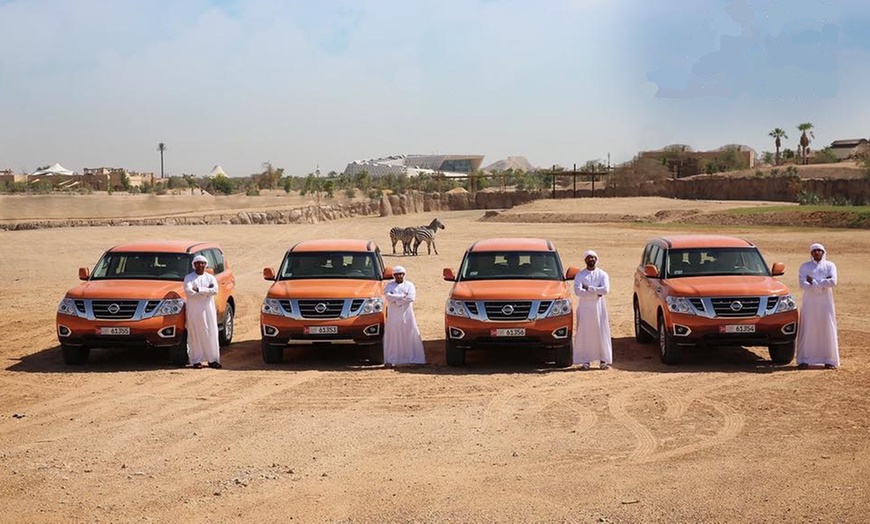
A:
[761,210]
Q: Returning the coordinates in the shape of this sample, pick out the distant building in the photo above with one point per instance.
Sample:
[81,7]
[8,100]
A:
[851,148]
[415,164]
[99,176]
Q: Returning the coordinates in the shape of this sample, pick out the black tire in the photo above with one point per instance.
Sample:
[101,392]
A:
[376,353]
[178,352]
[75,355]
[781,353]
[669,352]
[272,354]
[225,333]
[455,354]
[640,334]
[564,356]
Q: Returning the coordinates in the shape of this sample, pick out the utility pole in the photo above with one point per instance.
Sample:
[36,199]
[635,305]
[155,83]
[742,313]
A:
[554,181]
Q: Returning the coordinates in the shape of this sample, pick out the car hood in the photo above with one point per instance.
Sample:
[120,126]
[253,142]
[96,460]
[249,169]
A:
[132,289]
[510,290]
[727,286]
[326,288]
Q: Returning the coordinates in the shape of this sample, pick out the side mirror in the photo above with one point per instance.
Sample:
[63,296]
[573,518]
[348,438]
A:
[777,269]
[651,271]
[84,273]
[448,274]
[268,273]
[571,273]
[388,273]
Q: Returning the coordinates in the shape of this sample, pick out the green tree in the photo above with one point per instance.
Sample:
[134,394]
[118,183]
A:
[778,134]
[161,147]
[222,184]
[805,140]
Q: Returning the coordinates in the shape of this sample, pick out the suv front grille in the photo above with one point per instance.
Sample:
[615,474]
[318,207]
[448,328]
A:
[321,309]
[736,307]
[114,309]
[508,311]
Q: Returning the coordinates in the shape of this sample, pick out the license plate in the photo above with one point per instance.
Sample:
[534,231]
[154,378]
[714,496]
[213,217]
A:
[737,328]
[321,330]
[508,332]
[114,331]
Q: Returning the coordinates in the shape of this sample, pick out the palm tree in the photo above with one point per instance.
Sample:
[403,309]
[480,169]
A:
[805,141]
[161,147]
[778,134]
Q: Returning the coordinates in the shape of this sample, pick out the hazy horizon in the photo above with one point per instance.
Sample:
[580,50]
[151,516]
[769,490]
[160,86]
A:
[99,83]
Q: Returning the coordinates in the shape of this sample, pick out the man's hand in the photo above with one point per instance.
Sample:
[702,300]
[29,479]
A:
[210,285]
[809,279]
[195,289]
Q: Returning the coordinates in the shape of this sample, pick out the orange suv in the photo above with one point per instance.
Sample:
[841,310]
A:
[509,292]
[710,290]
[326,292]
[135,297]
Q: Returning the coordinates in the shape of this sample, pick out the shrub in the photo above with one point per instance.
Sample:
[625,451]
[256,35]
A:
[808,198]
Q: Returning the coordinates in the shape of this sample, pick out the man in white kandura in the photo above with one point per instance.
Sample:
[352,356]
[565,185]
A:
[201,315]
[402,342]
[817,332]
[592,333]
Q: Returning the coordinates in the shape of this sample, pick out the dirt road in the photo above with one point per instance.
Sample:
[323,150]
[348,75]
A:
[726,437]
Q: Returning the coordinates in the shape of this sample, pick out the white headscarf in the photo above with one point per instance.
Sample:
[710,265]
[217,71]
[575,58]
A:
[199,258]
[590,252]
[398,269]
[815,246]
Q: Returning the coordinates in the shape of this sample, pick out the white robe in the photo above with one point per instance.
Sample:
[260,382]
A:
[402,341]
[592,332]
[817,330]
[201,316]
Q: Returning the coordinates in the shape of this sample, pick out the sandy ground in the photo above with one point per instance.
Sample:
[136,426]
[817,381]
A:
[726,437]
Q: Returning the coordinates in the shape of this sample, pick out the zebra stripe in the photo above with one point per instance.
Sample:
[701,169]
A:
[427,234]
[403,234]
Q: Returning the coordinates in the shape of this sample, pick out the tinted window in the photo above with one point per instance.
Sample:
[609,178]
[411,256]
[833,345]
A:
[715,261]
[533,265]
[142,266]
[329,265]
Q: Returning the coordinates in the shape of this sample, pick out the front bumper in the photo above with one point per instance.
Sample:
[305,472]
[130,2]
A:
[280,331]
[542,333]
[162,331]
[691,330]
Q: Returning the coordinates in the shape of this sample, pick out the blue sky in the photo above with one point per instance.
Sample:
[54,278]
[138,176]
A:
[90,83]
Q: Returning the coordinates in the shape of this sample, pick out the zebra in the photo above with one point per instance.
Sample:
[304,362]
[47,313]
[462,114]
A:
[406,235]
[427,234]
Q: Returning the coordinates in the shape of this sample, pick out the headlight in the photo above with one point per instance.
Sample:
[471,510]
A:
[786,303]
[680,305]
[560,307]
[67,306]
[372,305]
[172,306]
[271,306]
[456,308]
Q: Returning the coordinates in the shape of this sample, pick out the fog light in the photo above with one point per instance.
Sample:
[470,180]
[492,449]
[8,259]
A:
[167,332]
[562,332]
[789,328]
[456,333]
[681,331]
[373,330]
[270,331]
[63,331]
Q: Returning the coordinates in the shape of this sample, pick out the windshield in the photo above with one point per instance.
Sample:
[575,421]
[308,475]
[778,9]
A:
[512,265]
[714,261]
[143,266]
[329,265]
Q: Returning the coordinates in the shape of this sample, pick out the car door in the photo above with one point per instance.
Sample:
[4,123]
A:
[649,297]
